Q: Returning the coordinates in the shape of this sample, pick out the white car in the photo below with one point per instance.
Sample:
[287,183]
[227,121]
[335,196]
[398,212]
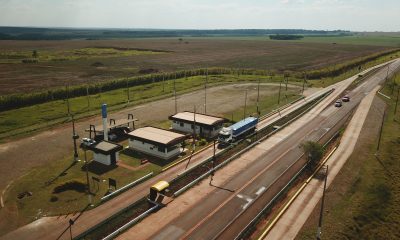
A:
[88,142]
[338,103]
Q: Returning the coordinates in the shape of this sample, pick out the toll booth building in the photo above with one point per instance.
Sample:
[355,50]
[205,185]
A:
[206,125]
[106,152]
[156,142]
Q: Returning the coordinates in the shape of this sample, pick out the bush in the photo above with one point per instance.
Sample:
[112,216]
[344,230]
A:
[314,152]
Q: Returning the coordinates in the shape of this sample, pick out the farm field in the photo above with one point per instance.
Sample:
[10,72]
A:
[160,54]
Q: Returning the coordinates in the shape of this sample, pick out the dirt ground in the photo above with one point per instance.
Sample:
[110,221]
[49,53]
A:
[196,53]
[17,157]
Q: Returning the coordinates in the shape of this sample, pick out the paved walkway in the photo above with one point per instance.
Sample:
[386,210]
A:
[296,215]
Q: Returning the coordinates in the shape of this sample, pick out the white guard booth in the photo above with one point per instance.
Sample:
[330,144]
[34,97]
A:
[106,152]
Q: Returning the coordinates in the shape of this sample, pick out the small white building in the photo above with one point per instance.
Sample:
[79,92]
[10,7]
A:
[206,125]
[156,142]
[106,152]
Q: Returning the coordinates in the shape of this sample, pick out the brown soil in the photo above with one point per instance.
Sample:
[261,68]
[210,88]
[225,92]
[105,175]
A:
[197,53]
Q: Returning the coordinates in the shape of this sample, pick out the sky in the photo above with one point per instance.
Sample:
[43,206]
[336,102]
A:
[354,15]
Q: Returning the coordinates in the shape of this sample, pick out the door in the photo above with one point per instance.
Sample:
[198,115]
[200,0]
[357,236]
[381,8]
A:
[113,159]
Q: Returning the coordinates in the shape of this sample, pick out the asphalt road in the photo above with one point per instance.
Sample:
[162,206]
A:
[227,210]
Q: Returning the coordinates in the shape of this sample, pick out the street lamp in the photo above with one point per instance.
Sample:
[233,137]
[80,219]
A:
[85,148]
[74,137]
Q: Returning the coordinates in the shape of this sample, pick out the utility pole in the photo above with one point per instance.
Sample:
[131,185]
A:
[68,107]
[322,206]
[205,93]
[394,83]
[258,96]
[163,82]
[380,130]
[194,128]
[397,100]
[127,90]
[176,104]
[279,94]
[87,95]
[245,104]
[287,79]
[74,137]
[213,165]
[304,83]
[87,176]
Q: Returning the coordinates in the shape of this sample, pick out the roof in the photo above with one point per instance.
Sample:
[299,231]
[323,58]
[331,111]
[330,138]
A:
[110,124]
[157,135]
[161,185]
[200,118]
[243,122]
[106,147]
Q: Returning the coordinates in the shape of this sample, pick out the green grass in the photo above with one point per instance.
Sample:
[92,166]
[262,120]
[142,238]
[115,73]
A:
[38,116]
[70,55]
[389,40]
[266,105]
[331,80]
[40,204]
[366,205]
[383,40]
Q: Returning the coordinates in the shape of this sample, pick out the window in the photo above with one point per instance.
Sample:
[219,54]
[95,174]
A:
[161,149]
[192,126]
[181,124]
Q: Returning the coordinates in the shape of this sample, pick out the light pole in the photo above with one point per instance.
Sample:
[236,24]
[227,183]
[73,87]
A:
[163,82]
[176,104]
[304,83]
[205,93]
[127,90]
[85,148]
[322,206]
[68,106]
[71,222]
[279,94]
[397,100]
[245,104]
[87,95]
[258,96]
[74,137]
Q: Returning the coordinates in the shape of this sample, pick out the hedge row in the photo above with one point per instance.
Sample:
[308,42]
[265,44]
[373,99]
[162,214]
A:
[342,68]
[14,101]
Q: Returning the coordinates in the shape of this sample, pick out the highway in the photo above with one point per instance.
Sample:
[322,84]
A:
[225,210]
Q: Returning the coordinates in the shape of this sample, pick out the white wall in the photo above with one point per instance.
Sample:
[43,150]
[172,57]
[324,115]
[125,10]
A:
[153,149]
[101,158]
[187,128]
